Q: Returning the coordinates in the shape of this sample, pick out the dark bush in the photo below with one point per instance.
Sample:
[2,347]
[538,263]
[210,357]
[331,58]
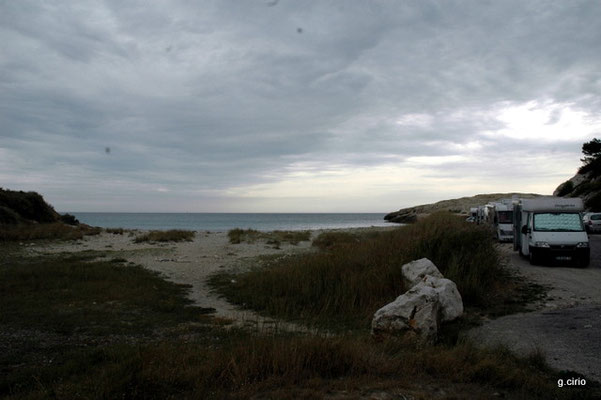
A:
[9,217]
[594,203]
[29,205]
[69,219]
[566,188]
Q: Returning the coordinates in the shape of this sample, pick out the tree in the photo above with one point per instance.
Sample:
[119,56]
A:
[592,158]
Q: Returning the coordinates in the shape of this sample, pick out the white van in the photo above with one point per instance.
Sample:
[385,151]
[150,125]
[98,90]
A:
[502,220]
[550,229]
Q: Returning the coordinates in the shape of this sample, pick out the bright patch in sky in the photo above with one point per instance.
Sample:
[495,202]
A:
[546,121]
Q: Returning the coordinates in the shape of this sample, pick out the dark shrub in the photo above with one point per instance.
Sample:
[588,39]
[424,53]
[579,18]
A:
[594,203]
[565,188]
[29,205]
[9,217]
[69,219]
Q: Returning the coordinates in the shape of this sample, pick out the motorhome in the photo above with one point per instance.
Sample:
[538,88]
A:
[481,214]
[502,220]
[473,214]
[550,229]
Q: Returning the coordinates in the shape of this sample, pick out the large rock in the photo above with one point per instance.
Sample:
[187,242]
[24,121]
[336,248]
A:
[430,300]
[417,310]
[451,304]
[415,271]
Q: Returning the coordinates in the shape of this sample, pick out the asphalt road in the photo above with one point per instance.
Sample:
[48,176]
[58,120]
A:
[595,250]
[567,325]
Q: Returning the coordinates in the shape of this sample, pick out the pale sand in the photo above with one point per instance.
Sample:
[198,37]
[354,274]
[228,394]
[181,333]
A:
[191,263]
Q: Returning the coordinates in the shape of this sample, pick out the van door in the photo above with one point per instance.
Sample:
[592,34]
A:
[526,237]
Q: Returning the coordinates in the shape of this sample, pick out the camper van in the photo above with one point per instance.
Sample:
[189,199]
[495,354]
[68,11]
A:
[473,214]
[550,229]
[502,220]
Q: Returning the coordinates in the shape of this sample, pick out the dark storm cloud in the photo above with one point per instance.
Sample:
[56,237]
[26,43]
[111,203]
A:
[199,100]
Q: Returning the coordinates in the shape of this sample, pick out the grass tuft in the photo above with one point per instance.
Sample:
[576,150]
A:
[237,236]
[173,235]
[328,240]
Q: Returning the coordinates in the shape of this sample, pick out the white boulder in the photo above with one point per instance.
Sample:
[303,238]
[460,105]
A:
[451,304]
[415,271]
[417,310]
[430,300]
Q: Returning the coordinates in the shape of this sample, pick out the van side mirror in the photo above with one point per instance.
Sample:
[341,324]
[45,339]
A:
[525,229]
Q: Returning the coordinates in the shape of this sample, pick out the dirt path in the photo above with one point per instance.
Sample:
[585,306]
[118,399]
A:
[189,263]
[192,263]
[566,325]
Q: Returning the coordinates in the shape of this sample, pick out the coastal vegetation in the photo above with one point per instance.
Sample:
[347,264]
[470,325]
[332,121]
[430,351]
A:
[27,216]
[355,275]
[238,235]
[173,235]
[75,326]
[90,324]
[49,231]
[587,182]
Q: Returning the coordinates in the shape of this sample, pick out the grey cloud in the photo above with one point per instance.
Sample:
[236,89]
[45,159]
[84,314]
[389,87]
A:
[220,94]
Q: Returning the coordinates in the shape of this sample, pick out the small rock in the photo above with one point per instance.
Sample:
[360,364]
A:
[588,326]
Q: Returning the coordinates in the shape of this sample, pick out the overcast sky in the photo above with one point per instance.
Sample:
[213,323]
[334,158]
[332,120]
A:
[292,105]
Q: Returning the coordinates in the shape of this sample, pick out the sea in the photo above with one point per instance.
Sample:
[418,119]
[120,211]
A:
[222,222]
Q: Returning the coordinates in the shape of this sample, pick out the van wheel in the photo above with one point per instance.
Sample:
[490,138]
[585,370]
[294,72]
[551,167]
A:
[584,261]
[533,258]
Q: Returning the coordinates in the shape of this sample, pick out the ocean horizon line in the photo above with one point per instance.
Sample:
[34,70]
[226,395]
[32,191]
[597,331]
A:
[227,221]
[220,212]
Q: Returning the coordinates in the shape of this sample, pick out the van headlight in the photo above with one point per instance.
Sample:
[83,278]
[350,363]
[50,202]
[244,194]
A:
[582,244]
[541,244]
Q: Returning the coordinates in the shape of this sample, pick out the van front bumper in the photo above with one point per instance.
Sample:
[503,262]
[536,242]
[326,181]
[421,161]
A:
[561,253]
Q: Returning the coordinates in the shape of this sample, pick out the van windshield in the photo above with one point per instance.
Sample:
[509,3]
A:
[505,217]
[558,222]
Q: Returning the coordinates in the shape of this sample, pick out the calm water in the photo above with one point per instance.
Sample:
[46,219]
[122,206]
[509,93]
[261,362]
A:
[226,221]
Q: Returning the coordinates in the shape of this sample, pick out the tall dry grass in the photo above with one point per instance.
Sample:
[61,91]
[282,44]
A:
[278,367]
[355,277]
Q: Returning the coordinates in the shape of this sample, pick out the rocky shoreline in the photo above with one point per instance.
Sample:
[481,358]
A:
[458,206]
